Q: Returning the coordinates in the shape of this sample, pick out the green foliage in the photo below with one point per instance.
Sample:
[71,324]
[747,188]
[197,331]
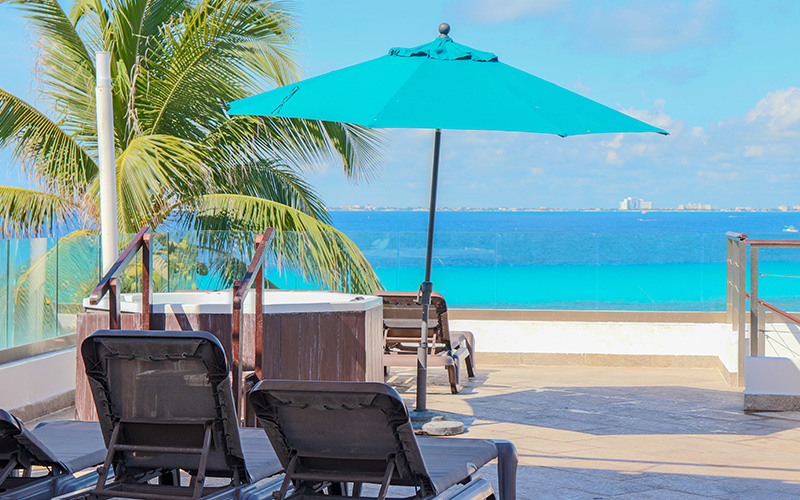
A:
[179,158]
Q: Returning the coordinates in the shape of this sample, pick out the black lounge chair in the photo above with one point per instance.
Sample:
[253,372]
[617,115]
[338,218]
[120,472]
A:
[40,464]
[402,321]
[165,404]
[336,433]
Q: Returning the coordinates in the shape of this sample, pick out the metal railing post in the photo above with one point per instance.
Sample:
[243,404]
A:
[114,318]
[147,281]
[238,353]
[754,305]
[736,311]
[253,276]
[741,309]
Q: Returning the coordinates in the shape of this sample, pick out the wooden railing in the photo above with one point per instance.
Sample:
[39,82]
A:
[253,277]
[108,285]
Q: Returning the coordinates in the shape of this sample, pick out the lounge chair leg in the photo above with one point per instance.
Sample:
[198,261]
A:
[470,361]
[8,470]
[507,460]
[102,477]
[287,479]
[469,339]
[452,374]
[387,478]
[200,478]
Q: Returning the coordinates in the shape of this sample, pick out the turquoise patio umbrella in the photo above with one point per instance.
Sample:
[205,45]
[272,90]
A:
[441,84]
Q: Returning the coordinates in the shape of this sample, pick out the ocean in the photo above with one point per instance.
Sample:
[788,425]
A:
[574,260]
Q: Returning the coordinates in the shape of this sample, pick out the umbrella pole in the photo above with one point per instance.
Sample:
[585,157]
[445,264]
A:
[426,288]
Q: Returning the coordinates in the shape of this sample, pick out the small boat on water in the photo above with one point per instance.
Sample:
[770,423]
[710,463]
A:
[790,229]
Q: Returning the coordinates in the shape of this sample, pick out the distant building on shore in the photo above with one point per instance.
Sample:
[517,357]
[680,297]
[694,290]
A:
[695,206]
[635,204]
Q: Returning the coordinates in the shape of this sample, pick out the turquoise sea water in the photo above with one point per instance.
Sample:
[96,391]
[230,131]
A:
[575,260]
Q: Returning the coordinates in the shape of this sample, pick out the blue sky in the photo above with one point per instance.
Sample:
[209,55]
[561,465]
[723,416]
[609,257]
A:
[721,76]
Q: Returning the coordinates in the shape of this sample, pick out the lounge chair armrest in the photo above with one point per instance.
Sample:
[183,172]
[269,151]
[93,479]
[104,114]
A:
[507,460]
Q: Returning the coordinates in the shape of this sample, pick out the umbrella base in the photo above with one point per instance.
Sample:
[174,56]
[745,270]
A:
[433,423]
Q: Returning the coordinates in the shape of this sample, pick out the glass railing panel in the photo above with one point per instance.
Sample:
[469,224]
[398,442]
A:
[5,318]
[33,268]
[382,250]
[463,269]
[287,272]
[411,261]
[546,270]
[79,271]
[714,272]
[650,271]
[779,275]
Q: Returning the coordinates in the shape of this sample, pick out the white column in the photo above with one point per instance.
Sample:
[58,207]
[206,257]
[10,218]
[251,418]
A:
[105,153]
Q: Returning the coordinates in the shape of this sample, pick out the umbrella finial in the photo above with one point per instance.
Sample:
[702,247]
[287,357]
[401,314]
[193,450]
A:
[444,29]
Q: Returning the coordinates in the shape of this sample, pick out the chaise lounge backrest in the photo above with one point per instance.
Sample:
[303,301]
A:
[162,391]
[341,431]
[38,463]
[403,307]
[19,449]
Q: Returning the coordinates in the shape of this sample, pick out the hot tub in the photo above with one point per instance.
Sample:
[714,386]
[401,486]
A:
[219,302]
[308,335]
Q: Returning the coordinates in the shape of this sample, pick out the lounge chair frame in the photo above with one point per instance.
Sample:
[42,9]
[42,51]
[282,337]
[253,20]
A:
[322,467]
[17,476]
[402,313]
[204,442]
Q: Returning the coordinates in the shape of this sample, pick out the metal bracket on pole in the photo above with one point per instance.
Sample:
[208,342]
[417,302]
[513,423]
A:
[425,291]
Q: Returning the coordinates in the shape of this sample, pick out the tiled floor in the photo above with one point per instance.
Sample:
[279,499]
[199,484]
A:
[624,433]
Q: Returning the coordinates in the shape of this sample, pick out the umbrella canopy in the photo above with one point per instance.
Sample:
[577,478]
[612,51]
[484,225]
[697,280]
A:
[441,84]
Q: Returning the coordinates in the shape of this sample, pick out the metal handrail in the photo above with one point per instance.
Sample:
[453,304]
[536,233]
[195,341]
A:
[739,236]
[736,295]
[776,310]
[108,284]
[253,277]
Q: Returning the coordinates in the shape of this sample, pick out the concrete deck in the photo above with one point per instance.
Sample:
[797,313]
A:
[624,433]
[592,433]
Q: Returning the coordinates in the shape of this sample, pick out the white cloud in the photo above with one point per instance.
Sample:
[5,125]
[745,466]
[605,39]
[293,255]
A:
[780,109]
[752,151]
[612,158]
[726,163]
[616,143]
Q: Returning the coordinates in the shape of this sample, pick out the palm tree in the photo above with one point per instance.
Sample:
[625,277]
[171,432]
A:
[180,160]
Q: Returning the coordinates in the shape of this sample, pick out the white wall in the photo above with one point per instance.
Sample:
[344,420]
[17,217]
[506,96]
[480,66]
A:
[566,337]
[36,379]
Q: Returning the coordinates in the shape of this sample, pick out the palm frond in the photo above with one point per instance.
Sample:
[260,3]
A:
[209,52]
[65,66]
[304,143]
[45,149]
[316,250]
[28,213]
[154,173]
